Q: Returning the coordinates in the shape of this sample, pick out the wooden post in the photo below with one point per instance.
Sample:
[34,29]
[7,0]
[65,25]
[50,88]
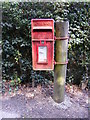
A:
[60,58]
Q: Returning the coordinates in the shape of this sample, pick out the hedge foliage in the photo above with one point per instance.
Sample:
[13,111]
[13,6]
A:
[16,39]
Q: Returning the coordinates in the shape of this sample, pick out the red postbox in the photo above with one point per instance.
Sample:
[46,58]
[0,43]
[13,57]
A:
[42,33]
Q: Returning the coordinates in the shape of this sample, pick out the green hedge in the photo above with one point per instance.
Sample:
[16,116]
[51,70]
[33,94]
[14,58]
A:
[16,39]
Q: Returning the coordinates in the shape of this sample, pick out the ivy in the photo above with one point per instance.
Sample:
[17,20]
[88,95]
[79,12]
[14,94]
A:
[16,38]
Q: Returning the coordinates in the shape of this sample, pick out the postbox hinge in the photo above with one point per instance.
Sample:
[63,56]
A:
[60,63]
[60,38]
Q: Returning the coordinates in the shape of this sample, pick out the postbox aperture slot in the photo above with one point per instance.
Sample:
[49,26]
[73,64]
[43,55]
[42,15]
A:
[42,34]
[42,30]
[42,54]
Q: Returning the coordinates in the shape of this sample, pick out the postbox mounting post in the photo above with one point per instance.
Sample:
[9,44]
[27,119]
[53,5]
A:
[60,62]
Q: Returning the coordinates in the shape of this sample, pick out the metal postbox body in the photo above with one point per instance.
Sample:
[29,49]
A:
[42,33]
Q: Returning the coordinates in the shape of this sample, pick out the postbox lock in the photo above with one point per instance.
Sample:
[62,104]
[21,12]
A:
[42,41]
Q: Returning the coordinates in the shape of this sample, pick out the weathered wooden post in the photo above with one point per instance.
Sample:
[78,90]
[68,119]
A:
[62,28]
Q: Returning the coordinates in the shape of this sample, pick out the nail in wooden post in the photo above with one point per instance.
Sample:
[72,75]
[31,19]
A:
[60,57]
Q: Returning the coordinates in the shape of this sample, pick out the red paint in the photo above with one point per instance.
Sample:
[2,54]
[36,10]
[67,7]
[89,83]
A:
[42,33]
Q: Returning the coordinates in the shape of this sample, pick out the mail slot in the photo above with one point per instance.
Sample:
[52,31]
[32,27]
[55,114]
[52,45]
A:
[42,34]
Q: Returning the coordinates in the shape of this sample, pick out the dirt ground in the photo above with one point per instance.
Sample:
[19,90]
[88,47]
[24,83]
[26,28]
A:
[37,102]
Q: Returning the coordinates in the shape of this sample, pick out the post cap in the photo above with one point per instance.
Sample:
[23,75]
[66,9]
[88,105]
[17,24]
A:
[59,19]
